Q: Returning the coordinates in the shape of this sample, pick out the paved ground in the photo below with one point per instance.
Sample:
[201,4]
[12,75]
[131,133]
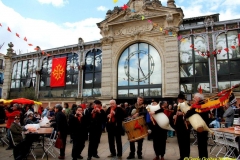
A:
[172,151]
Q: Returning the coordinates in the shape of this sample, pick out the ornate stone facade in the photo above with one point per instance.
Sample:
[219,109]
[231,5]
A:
[146,21]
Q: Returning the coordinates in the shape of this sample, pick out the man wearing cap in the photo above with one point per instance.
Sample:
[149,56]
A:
[61,127]
[183,133]
[96,116]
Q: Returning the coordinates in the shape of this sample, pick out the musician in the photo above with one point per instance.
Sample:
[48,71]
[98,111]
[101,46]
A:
[159,134]
[202,137]
[78,128]
[140,111]
[115,116]
[183,133]
[96,119]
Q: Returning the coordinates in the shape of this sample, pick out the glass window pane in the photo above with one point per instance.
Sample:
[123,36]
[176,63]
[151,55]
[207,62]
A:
[89,60]
[185,70]
[19,70]
[155,92]
[87,92]
[200,48]
[24,69]
[185,50]
[133,68]
[187,88]
[97,78]
[201,69]
[88,78]
[50,66]
[98,61]
[96,91]
[221,47]
[223,85]
[123,69]
[14,73]
[133,93]
[123,93]
[222,67]
[234,66]
[233,83]
[146,92]
[155,66]
[141,93]
[233,48]
[205,87]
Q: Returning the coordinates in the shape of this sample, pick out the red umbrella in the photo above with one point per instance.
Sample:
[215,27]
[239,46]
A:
[23,101]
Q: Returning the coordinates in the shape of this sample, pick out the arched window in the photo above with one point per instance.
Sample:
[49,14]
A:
[139,72]
[194,69]
[228,60]
[92,74]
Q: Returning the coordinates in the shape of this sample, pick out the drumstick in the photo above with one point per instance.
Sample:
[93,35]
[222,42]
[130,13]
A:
[148,109]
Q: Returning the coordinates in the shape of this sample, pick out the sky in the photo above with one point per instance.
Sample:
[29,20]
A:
[56,23]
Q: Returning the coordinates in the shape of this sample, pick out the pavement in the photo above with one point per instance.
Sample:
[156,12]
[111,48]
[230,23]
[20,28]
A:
[172,150]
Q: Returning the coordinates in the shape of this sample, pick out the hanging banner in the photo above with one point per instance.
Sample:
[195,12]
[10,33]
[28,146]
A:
[58,72]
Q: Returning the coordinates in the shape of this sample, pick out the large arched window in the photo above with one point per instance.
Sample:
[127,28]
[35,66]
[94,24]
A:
[139,72]
[93,74]
[194,69]
[228,59]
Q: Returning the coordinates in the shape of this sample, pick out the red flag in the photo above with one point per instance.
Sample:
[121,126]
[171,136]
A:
[30,44]
[238,39]
[9,29]
[25,39]
[43,52]
[58,72]
[124,7]
[17,35]
[191,46]
[233,47]
[37,48]
[226,49]
[200,89]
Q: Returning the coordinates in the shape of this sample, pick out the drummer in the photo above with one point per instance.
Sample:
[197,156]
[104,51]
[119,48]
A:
[137,110]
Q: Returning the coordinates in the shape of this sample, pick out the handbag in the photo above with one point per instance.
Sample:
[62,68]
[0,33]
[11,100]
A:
[59,143]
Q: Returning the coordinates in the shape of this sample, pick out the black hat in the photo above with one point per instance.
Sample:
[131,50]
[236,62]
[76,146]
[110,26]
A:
[154,100]
[97,102]
[181,96]
[59,107]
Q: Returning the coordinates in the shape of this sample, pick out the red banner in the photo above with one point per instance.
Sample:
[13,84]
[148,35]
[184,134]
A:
[58,72]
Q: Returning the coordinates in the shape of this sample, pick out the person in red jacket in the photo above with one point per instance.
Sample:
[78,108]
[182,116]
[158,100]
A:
[10,119]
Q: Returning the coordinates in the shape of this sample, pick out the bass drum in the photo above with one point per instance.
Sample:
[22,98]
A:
[136,128]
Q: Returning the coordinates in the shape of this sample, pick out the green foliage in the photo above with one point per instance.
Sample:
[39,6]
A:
[28,93]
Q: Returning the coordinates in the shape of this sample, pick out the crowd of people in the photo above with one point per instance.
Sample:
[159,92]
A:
[88,123]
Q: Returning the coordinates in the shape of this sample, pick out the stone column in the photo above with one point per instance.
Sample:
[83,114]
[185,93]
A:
[7,72]
[171,67]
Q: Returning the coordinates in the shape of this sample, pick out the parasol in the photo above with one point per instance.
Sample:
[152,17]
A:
[23,101]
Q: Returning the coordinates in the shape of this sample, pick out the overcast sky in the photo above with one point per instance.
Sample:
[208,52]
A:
[56,23]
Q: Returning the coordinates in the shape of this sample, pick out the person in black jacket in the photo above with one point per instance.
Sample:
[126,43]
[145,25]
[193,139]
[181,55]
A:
[115,116]
[183,133]
[159,134]
[61,127]
[2,113]
[96,118]
[202,137]
[78,128]
[137,110]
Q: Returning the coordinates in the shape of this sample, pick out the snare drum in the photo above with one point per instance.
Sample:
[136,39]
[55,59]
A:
[136,128]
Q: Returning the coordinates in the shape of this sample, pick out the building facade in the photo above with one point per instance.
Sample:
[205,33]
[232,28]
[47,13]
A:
[147,50]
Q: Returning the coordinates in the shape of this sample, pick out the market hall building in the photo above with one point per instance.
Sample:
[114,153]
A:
[147,50]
